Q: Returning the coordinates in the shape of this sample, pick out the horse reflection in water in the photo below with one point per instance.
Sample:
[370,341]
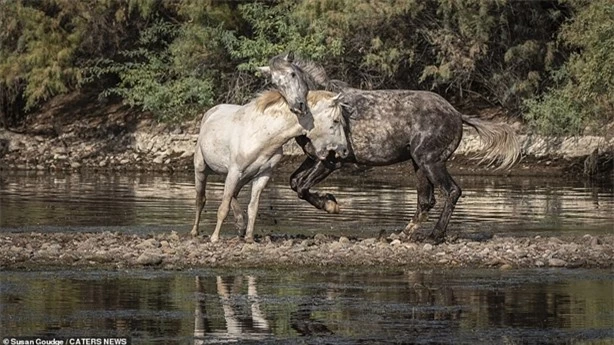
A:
[425,306]
[238,327]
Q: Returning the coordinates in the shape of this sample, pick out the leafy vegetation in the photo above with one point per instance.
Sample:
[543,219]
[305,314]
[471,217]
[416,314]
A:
[582,94]
[549,60]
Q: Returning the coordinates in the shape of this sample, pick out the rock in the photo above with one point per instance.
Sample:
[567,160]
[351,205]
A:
[395,242]
[428,247]
[173,236]
[148,243]
[149,258]
[369,241]
[394,236]
[320,238]
[554,262]
[186,154]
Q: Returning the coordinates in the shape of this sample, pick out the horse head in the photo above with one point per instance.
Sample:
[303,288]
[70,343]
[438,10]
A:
[290,80]
[329,133]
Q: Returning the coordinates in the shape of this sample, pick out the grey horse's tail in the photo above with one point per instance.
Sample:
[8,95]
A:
[500,142]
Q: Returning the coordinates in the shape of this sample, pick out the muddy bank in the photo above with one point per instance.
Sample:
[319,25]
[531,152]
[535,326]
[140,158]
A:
[178,251]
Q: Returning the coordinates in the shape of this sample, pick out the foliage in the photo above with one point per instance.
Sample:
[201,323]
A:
[551,59]
[584,91]
[153,78]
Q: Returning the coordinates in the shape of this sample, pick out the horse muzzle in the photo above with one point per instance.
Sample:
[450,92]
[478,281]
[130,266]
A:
[300,109]
[336,152]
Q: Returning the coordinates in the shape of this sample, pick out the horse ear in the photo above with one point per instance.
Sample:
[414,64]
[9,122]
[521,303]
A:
[265,70]
[289,57]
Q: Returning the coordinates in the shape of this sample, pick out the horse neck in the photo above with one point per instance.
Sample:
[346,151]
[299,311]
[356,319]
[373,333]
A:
[285,124]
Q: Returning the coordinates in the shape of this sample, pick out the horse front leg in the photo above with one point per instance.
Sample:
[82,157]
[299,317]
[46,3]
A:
[311,172]
[230,185]
[252,209]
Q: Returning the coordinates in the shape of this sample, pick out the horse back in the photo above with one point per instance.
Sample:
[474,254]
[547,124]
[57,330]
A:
[386,124]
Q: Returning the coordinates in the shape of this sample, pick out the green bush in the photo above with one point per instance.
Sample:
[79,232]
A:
[583,96]
[154,77]
[552,60]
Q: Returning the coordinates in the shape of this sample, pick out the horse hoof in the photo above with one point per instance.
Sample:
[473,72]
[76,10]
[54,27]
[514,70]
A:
[249,240]
[194,233]
[214,239]
[331,207]
[434,239]
[411,228]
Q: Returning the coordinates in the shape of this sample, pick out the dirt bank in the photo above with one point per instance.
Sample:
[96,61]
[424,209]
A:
[172,251]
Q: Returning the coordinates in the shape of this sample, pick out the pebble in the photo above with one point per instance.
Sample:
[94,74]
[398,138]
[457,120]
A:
[180,250]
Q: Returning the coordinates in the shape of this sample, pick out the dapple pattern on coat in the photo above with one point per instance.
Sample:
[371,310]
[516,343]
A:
[391,126]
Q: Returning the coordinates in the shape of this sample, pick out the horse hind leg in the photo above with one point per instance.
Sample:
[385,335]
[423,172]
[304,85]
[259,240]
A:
[238,214]
[200,182]
[438,175]
[426,201]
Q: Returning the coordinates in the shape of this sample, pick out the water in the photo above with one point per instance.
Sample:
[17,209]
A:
[144,203]
[303,306]
[411,307]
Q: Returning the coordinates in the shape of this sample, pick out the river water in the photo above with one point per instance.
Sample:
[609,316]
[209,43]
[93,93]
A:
[144,203]
[307,306]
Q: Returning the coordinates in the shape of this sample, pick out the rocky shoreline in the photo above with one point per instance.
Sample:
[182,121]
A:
[35,251]
[79,133]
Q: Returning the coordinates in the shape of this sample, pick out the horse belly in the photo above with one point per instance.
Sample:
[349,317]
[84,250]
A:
[216,154]
[262,163]
[380,146]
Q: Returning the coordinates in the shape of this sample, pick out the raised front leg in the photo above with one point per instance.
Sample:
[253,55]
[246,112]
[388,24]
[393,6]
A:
[310,173]
[252,209]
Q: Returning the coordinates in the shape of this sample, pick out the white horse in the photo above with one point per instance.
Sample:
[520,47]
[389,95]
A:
[245,143]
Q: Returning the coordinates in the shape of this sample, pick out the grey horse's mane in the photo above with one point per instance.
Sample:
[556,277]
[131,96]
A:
[319,78]
[313,73]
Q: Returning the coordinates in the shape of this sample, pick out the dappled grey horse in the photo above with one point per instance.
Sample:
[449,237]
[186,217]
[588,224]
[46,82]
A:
[245,143]
[390,126]
[292,82]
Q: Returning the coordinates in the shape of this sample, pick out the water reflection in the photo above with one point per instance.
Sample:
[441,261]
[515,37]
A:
[240,325]
[448,307]
[477,307]
[32,201]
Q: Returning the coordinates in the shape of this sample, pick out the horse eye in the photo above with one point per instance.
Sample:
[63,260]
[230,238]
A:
[336,122]
[293,75]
